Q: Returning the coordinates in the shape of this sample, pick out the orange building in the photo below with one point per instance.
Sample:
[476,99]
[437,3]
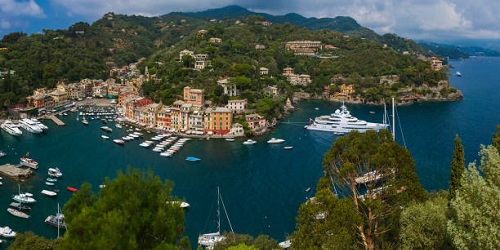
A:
[218,120]
[194,96]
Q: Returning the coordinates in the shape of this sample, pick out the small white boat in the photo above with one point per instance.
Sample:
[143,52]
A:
[17,213]
[28,162]
[249,142]
[48,183]
[118,125]
[2,154]
[107,129]
[229,139]
[49,193]
[84,121]
[54,172]
[288,147]
[105,137]
[7,232]
[458,74]
[275,141]
[119,142]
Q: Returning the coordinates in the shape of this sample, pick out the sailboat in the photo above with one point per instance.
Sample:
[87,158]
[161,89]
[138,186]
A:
[56,220]
[209,240]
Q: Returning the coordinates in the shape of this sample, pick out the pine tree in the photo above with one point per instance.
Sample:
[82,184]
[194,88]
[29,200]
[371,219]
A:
[496,139]
[457,167]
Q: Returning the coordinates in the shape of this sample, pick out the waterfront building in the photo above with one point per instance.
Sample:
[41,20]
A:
[237,130]
[346,92]
[196,124]
[301,79]
[175,115]
[163,118]
[41,100]
[218,120]
[256,122]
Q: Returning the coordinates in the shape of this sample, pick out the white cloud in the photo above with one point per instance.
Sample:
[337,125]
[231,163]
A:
[13,8]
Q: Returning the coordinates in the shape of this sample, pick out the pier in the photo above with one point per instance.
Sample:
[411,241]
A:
[15,171]
[56,120]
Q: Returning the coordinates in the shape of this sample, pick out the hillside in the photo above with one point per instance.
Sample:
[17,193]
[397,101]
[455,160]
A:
[115,40]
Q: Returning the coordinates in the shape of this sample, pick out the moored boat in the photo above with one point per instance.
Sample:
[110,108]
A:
[30,126]
[48,193]
[28,162]
[11,128]
[71,189]
[107,129]
[17,213]
[54,172]
[341,122]
[275,141]
[249,142]
[192,158]
[24,197]
[20,206]
[288,147]
[119,141]
[7,232]
[104,137]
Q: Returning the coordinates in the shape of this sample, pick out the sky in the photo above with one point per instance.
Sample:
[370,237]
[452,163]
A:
[430,20]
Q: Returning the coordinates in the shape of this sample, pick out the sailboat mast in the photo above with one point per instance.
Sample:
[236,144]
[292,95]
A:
[218,210]
[57,217]
[393,121]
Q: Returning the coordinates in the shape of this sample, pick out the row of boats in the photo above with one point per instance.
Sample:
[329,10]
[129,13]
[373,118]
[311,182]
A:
[32,125]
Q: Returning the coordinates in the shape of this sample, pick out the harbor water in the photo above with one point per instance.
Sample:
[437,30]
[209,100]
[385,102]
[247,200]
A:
[262,185]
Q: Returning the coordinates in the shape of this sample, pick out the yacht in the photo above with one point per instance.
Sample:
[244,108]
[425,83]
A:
[17,213]
[56,220]
[107,129]
[39,124]
[48,193]
[342,122]
[11,128]
[30,126]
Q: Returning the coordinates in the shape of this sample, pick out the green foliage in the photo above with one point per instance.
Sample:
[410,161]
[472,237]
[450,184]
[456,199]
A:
[474,220]
[423,225]
[457,167]
[357,154]
[496,139]
[130,213]
[31,241]
[326,222]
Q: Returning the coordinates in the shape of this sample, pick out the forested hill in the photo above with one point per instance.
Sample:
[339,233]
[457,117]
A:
[115,40]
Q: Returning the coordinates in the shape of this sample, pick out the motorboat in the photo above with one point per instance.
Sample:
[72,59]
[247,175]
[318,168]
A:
[341,122]
[105,137]
[458,74]
[23,198]
[30,126]
[275,141]
[48,183]
[28,162]
[229,139]
[107,129]
[249,142]
[85,121]
[7,232]
[119,141]
[71,189]
[51,179]
[182,204]
[288,147]
[17,213]
[2,154]
[49,193]
[54,172]
[11,128]
[118,125]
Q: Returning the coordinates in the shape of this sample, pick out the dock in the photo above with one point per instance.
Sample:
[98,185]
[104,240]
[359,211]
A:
[56,120]
[15,171]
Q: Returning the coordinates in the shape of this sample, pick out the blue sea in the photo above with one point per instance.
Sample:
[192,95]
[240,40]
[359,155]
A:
[262,185]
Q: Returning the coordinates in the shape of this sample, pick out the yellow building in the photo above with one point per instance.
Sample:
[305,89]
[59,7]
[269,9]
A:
[218,120]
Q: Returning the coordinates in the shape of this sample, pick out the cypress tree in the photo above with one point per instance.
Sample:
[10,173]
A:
[457,167]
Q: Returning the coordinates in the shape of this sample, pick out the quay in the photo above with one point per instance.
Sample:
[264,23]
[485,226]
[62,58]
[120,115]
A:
[56,120]
[15,171]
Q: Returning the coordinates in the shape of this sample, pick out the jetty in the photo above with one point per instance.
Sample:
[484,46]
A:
[15,171]
[56,120]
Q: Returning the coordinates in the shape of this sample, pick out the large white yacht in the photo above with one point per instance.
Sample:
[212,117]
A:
[30,126]
[342,122]
[11,128]
[39,124]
